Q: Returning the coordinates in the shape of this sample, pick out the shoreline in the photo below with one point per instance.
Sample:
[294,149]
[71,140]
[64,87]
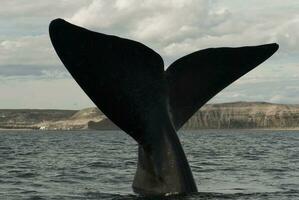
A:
[207,129]
[240,116]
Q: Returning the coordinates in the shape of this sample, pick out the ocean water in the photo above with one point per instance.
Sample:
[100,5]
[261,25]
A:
[226,164]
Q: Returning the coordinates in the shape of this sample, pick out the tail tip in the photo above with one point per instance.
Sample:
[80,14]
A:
[274,46]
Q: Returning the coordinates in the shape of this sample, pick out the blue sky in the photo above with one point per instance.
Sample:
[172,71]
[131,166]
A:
[32,76]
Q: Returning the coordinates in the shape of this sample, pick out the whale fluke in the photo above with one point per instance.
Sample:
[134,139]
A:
[127,81]
[120,76]
[196,78]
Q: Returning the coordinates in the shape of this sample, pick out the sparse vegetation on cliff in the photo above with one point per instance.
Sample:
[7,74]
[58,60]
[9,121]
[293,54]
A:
[211,116]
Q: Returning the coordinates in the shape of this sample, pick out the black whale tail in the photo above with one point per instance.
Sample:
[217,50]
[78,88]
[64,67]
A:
[127,81]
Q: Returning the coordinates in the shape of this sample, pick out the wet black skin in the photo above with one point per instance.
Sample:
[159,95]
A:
[127,81]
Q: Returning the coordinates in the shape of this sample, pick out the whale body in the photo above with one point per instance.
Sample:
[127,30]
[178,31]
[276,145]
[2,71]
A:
[126,80]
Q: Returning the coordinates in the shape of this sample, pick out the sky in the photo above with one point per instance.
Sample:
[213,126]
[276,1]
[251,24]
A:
[32,76]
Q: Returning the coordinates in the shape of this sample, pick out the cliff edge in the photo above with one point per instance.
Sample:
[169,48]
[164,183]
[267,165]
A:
[237,115]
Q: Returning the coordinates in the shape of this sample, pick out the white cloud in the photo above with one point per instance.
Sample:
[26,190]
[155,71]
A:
[171,27]
[175,28]
[28,50]
[42,93]
[35,8]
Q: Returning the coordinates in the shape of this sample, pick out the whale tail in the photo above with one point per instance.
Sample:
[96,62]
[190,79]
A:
[196,78]
[127,81]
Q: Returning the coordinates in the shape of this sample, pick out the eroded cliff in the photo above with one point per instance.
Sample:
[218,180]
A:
[211,116]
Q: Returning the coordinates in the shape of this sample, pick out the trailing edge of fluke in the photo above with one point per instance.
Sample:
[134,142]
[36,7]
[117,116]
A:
[127,81]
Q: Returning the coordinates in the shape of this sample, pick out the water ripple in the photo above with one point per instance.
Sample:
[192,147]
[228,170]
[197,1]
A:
[101,165]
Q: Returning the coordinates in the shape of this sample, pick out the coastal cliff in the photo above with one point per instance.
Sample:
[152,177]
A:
[237,115]
[245,115]
[31,118]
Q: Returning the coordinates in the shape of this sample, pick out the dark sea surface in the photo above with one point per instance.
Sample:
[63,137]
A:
[227,164]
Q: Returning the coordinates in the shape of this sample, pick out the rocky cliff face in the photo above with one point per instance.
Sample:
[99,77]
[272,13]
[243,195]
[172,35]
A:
[78,121]
[245,115]
[211,116]
[31,118]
